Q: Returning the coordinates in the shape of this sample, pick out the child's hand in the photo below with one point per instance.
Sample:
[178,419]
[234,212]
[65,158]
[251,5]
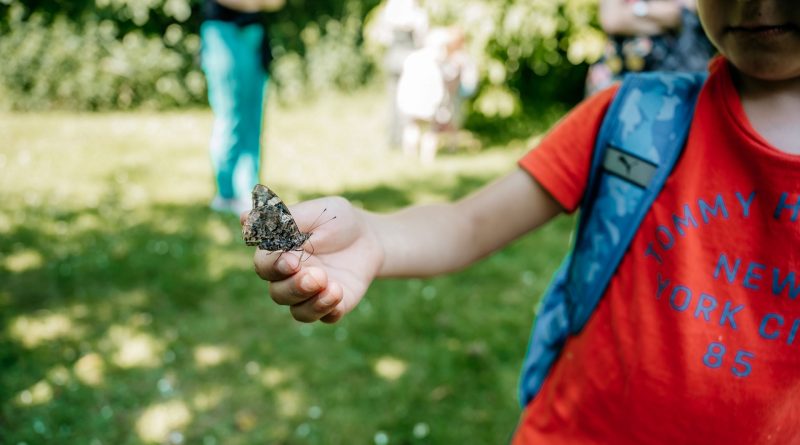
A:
[341,259]
[344,255]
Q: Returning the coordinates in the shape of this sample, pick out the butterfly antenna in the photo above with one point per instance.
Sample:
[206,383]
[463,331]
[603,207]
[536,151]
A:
[303,251]
[315,226]
[279,256]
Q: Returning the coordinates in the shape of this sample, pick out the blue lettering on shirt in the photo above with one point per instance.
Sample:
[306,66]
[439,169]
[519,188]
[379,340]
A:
[746,203]
[670,240]
[788,282]
[728,313]
[730,273]
[650,251]
[793,332]
[662,284]
[784,205]
[686,300]
[719,206]
[753,275]
[686,221]
[705,309]
[762,329]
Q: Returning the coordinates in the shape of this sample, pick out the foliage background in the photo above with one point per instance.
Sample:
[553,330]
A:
[130,313]
[125,54]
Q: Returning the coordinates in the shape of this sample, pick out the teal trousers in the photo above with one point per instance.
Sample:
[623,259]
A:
[231,60]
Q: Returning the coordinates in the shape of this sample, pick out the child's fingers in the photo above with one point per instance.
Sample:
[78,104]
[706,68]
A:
[299,287]
[335,315]
[320,306]
[275,266]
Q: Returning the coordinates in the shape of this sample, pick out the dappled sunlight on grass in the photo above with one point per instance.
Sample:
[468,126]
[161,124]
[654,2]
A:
[157,422]
[218,232]
[390,368]
[272,377]
[90,369]
[130,313]
[40,392]
[132,348]
[133,298]
[209,398]
[206,356]
[33,330]
[290,402]
[23,260]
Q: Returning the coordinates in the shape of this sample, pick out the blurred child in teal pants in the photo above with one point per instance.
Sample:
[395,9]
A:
[235,57]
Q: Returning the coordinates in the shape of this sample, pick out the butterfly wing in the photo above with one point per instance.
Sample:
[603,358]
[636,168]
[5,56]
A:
[288,235]
[262,195]
[270,225]
[277,203]
[260,224]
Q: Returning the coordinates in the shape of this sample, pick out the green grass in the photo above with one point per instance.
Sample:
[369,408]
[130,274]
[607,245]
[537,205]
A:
[129,312]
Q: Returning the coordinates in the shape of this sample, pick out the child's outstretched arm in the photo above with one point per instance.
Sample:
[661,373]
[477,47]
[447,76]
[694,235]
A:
[358,246]
[253,5]
[619,17]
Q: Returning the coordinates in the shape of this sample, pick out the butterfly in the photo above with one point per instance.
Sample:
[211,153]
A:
[269,225]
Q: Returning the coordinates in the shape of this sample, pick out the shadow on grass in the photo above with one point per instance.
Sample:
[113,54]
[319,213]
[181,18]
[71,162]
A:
[385,198]
[104,310]
[146,324]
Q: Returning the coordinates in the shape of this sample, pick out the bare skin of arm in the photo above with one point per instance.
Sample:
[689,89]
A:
[453,236]
[420,241]
[253,5]
[617,17]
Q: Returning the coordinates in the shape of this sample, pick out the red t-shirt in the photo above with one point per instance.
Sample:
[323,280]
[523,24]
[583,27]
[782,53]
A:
[696,340]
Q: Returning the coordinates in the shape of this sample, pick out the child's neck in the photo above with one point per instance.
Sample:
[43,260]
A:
[773,109]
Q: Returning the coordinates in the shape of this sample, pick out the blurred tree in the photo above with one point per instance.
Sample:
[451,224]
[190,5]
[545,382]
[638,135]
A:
[120,54]
[529,50]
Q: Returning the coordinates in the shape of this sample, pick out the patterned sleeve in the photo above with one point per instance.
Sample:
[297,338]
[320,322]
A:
[560,163]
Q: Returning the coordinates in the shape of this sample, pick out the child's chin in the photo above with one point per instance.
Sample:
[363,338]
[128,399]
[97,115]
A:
[770,67]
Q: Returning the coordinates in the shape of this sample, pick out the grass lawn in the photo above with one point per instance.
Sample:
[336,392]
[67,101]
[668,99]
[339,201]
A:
[129,312]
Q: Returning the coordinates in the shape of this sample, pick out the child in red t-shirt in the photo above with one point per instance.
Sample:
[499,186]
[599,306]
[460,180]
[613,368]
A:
[696,337]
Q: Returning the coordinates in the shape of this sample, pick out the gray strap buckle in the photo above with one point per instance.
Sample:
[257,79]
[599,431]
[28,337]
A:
[629,167]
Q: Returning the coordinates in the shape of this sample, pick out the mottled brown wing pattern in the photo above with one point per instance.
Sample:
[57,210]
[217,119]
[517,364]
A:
[270,225]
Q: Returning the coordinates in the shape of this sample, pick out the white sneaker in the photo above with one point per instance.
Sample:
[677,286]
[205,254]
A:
[242,205]
[233,206]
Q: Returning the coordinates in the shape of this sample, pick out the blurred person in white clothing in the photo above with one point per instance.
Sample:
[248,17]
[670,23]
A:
[433,82]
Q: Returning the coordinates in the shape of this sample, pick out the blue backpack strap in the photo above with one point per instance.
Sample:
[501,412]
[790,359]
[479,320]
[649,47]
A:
[639,141]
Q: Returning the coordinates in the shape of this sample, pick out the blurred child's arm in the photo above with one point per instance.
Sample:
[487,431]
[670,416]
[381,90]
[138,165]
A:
[347,253]
[619,17]
[253,5]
